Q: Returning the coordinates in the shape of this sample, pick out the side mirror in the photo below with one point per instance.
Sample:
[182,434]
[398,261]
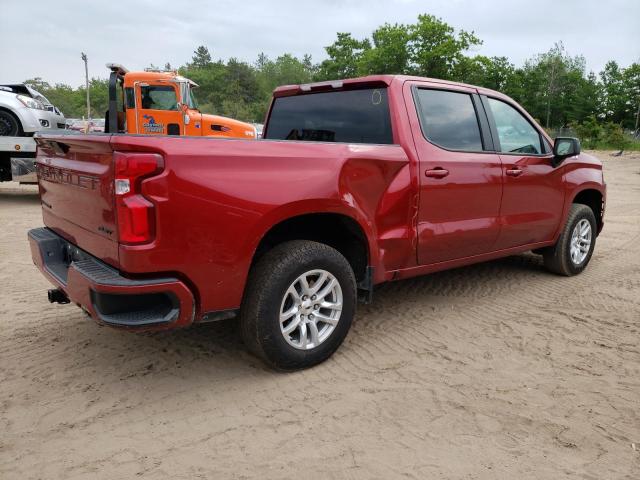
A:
[565,147]
[184,108]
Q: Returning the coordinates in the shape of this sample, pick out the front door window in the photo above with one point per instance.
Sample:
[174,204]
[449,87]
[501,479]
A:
[158,97]
[516,134]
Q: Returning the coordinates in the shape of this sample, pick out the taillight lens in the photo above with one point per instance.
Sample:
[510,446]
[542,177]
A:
[135,213]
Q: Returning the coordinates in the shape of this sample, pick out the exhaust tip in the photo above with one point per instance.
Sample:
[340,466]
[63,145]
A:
[57,296]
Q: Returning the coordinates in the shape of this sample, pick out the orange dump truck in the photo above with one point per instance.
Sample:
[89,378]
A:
[163,103]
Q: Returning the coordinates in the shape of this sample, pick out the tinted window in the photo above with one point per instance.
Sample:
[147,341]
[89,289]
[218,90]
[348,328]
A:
[130,98]
[156,97]
[193,101]
[449,119]
[352,116]
[516,134]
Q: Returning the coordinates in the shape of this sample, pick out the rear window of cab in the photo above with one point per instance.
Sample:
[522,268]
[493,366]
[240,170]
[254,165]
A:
[347,116]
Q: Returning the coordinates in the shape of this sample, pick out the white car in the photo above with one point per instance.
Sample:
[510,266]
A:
[24,111]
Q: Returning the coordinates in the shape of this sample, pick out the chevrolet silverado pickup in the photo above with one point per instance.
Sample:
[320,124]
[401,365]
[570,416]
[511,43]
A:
[355,183]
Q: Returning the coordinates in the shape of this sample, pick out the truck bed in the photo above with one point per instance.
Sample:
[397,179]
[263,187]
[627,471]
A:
[214,201]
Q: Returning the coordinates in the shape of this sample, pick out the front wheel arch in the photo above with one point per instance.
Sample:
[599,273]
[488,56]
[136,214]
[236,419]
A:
[593,199]
[336,230]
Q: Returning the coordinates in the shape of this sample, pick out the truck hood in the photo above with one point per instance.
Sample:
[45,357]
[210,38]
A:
[589,159]
[215,125]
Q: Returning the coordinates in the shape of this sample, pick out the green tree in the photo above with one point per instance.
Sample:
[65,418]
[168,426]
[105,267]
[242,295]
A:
[240,90]
[580,98]
[210,80]
[430,47]
[496,73]
[589,132]
[614,135]
[389,53]
[631,81]
[553,86]
[39,84]
[614,97]
[69,101]
[549,82]
[435,49]
[201,57]
[284,70]
[344,56]
[99,98]
[262,61]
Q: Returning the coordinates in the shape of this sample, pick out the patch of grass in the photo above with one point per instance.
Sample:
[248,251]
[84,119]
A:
[630,146]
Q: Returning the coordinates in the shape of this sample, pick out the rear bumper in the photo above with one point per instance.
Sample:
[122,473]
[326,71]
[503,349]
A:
[109,297]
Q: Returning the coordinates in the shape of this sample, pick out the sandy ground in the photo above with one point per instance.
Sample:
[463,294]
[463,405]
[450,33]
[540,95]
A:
[499,370]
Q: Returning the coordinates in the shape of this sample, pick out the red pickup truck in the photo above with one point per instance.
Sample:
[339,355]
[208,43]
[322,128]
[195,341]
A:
[356,182]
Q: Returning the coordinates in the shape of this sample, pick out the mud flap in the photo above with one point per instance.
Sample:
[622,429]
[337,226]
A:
[365,287]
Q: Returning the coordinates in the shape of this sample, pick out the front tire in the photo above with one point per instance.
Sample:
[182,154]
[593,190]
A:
[299,305]
[573,251]
[9,125]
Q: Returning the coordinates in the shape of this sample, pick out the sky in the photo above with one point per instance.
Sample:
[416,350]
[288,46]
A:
[45,38]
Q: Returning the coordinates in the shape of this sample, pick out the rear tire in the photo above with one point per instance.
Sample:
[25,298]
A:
[573,250]
[9,125]
[290,293]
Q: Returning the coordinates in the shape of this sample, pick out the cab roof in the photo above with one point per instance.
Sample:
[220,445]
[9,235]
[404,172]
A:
[371,80]
[131,77]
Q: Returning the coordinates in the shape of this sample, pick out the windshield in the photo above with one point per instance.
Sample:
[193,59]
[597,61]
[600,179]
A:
[192,101]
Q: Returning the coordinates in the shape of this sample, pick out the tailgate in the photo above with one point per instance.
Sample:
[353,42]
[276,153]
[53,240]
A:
[75,175]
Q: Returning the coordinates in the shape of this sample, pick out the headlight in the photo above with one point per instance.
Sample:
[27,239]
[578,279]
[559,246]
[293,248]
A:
[30,102]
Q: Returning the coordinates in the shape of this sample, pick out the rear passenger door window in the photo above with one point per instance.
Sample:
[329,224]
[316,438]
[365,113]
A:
[449,120]
[515,132]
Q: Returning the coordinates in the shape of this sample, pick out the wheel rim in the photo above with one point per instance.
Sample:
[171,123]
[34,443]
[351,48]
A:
[580,241]
[310,309]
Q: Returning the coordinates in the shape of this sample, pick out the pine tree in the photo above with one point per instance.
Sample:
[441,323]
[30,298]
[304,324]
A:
[201,57]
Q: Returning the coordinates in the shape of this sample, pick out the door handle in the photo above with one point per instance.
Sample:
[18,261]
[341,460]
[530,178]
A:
[438,172]
[514,172]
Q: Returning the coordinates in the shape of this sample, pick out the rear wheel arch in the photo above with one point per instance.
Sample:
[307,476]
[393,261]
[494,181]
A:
[337,230]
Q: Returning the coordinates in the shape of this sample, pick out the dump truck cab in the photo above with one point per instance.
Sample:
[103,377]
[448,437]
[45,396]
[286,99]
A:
[156,102]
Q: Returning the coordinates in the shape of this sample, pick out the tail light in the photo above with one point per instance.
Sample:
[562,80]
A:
[134,212]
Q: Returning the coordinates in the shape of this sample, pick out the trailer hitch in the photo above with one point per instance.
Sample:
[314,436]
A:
[56,295]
